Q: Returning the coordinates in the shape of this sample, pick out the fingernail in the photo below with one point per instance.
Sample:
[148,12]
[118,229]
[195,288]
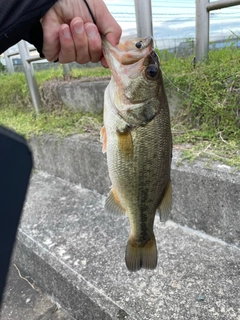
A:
[91,31]
[66,32]
[78,27]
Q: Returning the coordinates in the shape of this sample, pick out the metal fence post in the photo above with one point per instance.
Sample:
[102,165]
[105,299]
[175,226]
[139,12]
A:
[29,73]
[143,11]
[202,30]
[9,63]
[66,70]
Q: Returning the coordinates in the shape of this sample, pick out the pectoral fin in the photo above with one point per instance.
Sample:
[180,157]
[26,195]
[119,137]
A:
[112,203]
[166,203]
[125,143]
[103,139]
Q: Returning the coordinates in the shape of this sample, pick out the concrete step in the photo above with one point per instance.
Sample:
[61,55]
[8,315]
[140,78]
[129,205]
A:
[75,252]
[23,300]
[204,198]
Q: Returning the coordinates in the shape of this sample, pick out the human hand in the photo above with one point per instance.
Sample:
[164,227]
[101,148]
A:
[69,33]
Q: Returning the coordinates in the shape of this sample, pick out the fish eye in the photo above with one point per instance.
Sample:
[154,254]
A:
[151,72]
[139,44]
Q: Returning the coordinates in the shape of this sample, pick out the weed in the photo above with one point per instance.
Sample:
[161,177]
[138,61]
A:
[208,116]
[63,122]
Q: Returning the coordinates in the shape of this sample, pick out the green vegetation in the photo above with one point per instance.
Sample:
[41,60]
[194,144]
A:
[206,122]
[2,68]
[62,122]
[207,119]
[45,75]
[90,72]
[14,90]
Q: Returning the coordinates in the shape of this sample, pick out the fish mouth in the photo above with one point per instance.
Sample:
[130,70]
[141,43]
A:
[128,51]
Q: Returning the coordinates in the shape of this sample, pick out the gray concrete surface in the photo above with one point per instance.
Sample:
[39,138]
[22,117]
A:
[78,95]
[85,96]
[205,199]
[75,251]
[23,300]
[78,158]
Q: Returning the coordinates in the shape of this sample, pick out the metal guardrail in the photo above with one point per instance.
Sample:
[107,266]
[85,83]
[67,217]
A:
[29,73]
[24,52]
[203,7]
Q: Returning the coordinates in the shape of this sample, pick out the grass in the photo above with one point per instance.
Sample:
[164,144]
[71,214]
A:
[45,75]
[61,122]
[207,119]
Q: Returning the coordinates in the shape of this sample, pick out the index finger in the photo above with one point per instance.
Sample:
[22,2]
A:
[51,43]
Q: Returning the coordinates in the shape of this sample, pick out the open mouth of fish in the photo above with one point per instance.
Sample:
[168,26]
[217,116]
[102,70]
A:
[128,51]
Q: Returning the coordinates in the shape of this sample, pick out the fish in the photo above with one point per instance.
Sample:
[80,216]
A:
[136,136]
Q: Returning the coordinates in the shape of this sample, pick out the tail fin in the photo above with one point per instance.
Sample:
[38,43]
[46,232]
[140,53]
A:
[138,257]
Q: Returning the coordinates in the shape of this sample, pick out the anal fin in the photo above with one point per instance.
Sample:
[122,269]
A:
[165,206]
[112,204]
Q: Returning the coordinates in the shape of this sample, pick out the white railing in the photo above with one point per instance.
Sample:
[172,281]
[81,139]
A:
[203,7]
[24,51]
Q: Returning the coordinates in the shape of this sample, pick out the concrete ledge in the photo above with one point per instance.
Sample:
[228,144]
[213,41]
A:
[75,251]
[78,95]
[207,199]
[78,159]
[204,199]
[85,96]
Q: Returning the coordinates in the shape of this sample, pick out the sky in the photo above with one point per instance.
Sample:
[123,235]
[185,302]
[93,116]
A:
[175,19]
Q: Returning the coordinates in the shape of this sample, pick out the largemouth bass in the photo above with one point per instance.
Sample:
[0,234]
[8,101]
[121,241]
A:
[137,138]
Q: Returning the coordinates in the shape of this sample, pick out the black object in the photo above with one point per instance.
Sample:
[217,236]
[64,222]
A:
[15,169]
[90,11]
[21,20]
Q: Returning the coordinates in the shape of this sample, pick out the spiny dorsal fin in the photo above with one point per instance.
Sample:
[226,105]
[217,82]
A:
[112,204]
[166,203]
